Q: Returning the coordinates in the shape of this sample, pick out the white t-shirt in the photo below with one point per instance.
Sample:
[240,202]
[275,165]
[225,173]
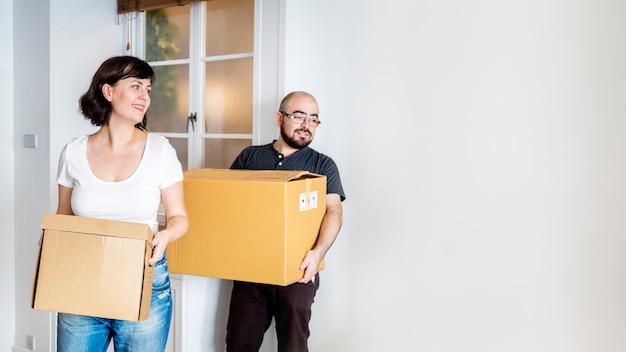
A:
[134,199]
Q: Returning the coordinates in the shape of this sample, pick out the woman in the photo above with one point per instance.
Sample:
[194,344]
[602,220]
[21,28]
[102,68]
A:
[122,172]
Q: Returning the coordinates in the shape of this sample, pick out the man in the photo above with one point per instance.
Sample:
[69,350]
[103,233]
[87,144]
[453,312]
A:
[253,305]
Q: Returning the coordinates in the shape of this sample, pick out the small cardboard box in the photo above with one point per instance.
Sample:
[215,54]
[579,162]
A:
[249,225]
[94,267]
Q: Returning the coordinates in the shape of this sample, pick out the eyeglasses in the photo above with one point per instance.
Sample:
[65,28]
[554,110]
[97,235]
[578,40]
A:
[298,118]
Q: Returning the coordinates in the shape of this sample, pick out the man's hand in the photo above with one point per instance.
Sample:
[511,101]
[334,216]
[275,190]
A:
[310,264]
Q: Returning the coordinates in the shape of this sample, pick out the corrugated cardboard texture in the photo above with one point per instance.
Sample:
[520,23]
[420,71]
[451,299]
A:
[94,267]
[249,225]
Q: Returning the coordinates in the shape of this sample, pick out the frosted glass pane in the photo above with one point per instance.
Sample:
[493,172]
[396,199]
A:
[167,34]
[180,144]
[169,99]
[229,27]
[228,96]
[220,153]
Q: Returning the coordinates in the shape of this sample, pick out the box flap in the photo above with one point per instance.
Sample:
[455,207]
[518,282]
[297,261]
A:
[248,175]
[304,175]
[72,223]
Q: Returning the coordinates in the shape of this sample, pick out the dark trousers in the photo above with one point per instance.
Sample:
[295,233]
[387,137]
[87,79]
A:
[252,307]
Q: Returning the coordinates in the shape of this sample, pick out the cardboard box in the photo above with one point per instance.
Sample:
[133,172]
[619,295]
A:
[94,267]
[249,225]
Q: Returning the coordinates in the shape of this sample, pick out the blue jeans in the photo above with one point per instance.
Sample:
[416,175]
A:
[78,333]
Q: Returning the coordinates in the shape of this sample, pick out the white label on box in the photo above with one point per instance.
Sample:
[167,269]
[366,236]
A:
[313,200]
[309,202]
[303,201]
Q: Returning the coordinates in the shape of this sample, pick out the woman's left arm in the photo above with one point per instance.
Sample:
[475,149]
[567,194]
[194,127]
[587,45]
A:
[176,220]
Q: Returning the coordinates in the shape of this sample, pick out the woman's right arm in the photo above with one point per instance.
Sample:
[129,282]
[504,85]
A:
[65,201]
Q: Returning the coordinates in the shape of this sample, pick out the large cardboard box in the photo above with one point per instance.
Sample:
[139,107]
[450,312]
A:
[249,225]
[94,267]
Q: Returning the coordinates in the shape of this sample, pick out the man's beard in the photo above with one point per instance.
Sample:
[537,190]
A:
[293,142]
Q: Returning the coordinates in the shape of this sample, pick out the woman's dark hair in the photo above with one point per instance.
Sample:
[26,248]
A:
[94,105]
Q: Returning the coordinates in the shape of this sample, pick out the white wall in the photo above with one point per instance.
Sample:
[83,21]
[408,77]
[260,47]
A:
[56,53]
[482,149]
[31,102]
[7,194]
